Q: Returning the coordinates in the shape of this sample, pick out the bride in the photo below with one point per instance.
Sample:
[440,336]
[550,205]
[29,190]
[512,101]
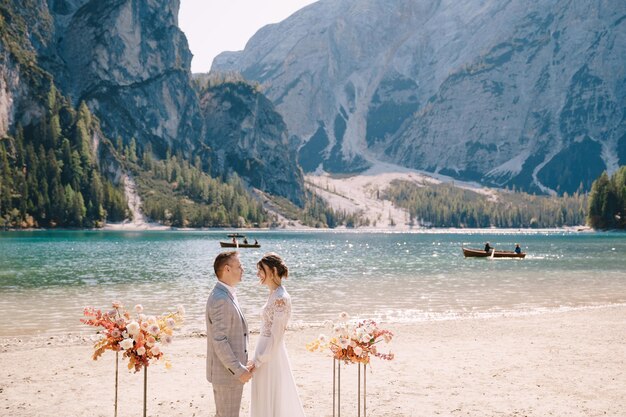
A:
[274,392]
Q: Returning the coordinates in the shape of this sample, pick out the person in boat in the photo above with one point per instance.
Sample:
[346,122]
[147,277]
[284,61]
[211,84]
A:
[256,242]
[245,240]
[517,248]
[234,240]
[488,247]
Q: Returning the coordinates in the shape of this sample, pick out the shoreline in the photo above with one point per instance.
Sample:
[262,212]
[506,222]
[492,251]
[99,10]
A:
[341,229]
[196,329]
[567,364]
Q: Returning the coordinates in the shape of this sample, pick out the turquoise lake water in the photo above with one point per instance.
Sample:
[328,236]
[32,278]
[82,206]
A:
[46,278]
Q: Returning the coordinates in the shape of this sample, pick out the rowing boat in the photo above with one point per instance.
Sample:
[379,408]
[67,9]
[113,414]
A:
[480,253]
[239,245]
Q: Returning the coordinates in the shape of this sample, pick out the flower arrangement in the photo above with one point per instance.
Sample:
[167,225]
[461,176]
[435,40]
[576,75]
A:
[140,338]
[353,342]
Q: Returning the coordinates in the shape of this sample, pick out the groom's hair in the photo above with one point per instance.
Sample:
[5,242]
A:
[221,260]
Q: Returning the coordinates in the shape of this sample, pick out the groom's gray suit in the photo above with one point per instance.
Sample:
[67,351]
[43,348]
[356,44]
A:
[227,351]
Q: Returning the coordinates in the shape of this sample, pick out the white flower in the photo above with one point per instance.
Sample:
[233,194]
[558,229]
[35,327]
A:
[133,328]
[343,342]
[344,316]
[126,344]
[328,324]
[144,325]
[168,339]
[358,351]
[139,308]
[181,310]
[154,329]
[323,338]
[156,349]
[366,338]
[171,322]
[142,317]
[352,343]
[141,351]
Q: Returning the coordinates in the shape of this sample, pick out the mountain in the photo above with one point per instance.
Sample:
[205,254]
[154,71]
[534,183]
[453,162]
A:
[250,137]
[129,62]
[508,93]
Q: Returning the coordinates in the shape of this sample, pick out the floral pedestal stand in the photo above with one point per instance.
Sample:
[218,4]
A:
[117,362]
[337,389]
[145,389]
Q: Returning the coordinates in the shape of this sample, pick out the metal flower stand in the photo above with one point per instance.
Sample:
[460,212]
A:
[337,389]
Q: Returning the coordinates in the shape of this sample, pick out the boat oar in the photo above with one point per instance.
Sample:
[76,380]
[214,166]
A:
[493,252]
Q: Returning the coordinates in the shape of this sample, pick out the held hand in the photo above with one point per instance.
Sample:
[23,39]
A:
[245,377]
[250,365]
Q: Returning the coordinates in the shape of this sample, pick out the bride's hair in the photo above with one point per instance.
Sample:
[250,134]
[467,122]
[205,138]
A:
[272,260]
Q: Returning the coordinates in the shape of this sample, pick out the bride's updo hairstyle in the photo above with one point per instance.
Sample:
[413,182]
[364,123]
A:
[272,260]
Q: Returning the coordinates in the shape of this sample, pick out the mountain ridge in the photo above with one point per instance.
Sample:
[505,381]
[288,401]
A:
[518,95]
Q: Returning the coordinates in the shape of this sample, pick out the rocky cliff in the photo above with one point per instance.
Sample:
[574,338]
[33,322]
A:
[508,93]
[250,137]
[130,63]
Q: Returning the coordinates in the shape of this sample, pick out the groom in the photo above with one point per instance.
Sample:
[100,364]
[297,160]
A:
[227,337]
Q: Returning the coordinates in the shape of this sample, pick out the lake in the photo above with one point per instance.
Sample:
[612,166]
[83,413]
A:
[47,277]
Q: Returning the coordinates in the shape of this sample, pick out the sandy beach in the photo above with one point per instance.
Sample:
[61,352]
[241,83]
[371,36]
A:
[560,363]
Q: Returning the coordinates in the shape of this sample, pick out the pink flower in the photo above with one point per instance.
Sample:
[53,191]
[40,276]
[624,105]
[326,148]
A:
[139,308]
[141,351]
[155,350]
[117,304]
[358,351]
[116,333]
[150,341]
[154,329]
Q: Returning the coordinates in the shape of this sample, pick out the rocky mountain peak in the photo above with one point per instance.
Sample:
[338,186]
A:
[505,93]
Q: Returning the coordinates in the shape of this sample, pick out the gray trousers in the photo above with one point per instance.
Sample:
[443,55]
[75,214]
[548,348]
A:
[227,400]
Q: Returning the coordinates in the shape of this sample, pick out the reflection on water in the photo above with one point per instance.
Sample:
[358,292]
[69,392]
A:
[46,278]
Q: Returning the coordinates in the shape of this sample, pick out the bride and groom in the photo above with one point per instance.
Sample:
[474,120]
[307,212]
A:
[273,391]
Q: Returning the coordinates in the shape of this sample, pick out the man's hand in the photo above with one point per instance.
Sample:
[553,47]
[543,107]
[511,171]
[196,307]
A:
[245,377]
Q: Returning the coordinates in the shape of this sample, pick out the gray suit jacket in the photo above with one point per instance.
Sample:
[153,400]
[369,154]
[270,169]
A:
[227,338]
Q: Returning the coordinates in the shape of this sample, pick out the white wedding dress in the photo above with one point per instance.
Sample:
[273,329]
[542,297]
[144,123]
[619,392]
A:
[274,392]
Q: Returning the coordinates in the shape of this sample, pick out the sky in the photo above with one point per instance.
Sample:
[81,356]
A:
[214,26]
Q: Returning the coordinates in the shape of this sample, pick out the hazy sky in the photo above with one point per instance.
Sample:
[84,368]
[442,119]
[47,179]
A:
[213,26]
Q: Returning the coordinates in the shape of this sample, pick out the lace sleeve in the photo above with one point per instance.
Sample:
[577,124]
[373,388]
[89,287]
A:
[274,312]
[275,318]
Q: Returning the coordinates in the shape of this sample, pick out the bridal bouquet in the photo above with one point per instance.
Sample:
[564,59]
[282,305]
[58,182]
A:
[353,342]
[140,338]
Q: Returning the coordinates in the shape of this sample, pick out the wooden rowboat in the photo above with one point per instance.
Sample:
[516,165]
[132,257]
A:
[480,253]
[239,245]
[234,243]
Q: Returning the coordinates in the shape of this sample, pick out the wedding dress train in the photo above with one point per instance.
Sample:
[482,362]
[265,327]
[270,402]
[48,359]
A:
[274,392]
